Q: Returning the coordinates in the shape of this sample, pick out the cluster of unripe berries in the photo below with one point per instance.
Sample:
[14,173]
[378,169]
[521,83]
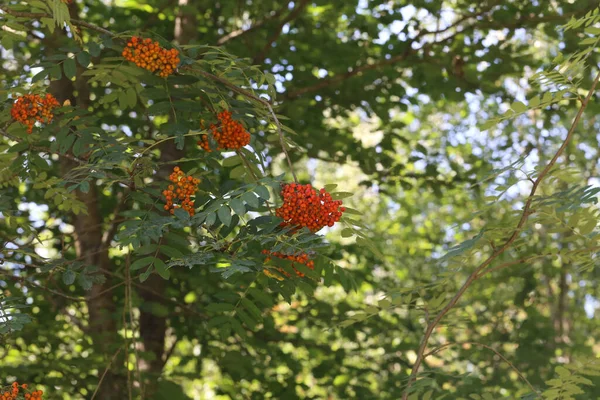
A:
[303,206]
[149,55]
[300,258]
[181,191]
[229,135]
[16,391]
[32,108]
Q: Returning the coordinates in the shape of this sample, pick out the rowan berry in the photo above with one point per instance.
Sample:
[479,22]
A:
[13,391]
[31,108]
[187,187]
[149,55]
[301,258]
[229,135]
[303,206]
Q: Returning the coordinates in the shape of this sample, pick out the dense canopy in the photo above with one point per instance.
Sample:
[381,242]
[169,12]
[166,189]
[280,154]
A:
[299,200]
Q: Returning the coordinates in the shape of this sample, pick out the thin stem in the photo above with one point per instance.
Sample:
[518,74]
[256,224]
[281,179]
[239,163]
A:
[162,141]
[105,372]
[249,168]
[511,365]
[44,15]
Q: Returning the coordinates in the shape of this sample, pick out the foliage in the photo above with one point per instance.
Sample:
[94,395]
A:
[106,295]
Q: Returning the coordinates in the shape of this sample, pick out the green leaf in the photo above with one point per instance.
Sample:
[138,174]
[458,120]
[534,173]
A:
[94,49]
[144,276]
[68,277]
[252,309]
[518,107]
[232,161]
[56,72]
[224,215]
[592,30]
[170,252]
[131,97]
[347,232]
[352,211]
[162,107]
[262,192]
[246,319]
[588,227]
[150,248]
[238,172]
[70,68]
[84,186]
[211,218]
[261,296]
[161,268]
[341,195]
[220,307]
[83,57]
[237,206]
[251,199]
[141,263]
[488,124]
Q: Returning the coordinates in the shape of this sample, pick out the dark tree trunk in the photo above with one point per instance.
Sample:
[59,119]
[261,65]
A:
[88,230]
[152,327]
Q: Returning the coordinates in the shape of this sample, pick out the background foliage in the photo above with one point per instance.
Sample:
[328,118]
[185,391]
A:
[387,99]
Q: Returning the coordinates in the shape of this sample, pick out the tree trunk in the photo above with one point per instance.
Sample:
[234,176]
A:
[152,327]
[88,232]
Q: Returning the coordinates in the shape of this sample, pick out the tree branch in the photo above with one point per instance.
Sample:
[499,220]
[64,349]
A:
[507,244]
[259,58]
[525,20]
[240,32]
[77,22]
[511,365]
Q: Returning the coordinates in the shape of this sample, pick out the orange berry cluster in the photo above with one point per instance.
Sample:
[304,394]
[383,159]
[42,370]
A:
[300,258]
[32,107]
[303,206]
[12,392]
[229,135]
[182,189]
[149,55]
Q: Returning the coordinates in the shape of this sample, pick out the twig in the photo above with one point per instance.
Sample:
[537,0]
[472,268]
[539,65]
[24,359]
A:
[44,15]
[524,216]
[124,318]
[237,33]
[511,365]
[130,308]
[105,371]
[291,16]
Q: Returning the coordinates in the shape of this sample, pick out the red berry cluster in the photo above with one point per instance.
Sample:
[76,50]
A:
[12,392]
[32,107]
[300,258]
[182,189]
[229,135]
[303,206]
[149,55]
